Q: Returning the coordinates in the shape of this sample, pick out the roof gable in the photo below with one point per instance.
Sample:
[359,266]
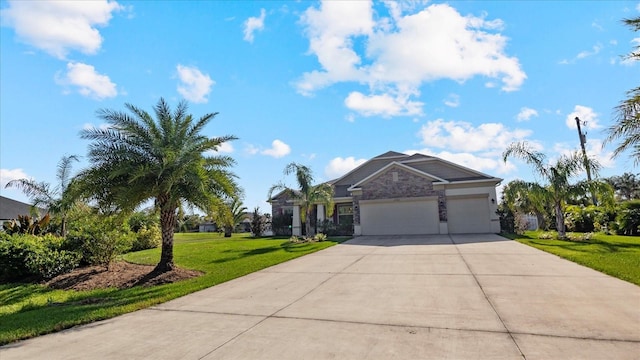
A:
[446,170]
[397,165]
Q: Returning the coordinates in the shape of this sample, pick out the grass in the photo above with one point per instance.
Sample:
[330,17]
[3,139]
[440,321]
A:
[615,255]
[28,310]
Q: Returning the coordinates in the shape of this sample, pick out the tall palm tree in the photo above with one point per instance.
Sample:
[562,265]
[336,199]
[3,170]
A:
[167,160]
[556,174]
[626,186]
[627,113]
[307,195]
[58,200]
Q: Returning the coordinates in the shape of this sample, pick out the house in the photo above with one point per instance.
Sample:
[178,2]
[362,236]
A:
[10,209]
[400,194]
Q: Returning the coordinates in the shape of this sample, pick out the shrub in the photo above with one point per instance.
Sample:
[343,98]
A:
[320,237]
[507,219]
[628,218]
[48,263]
[24,255]
[579,236]
[26,224]
[281,224]
[99,238]
[329,228]
[147,238]
[13,253]
[140,219]
[546,236]
[257,223]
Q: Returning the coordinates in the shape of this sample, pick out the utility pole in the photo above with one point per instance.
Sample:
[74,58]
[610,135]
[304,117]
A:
[583,139]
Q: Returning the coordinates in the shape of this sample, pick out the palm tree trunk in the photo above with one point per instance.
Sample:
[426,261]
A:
[307,224]
[167,223]
[541,223]
[560,221]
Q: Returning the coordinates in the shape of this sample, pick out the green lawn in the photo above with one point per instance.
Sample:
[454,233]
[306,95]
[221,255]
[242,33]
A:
[615,255]
[28,310]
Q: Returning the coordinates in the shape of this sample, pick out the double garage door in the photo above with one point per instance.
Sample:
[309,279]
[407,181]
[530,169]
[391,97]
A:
[399,217]
[420,216]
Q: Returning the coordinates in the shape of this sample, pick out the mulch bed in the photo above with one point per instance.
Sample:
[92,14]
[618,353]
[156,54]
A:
[121,275]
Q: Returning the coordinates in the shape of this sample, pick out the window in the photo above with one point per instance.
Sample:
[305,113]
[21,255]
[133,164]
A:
[345,214]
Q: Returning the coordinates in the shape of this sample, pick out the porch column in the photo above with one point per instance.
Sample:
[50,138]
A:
[320,213]
[295,223]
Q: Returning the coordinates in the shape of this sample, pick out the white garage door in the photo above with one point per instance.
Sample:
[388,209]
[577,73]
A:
[403,217]
[468,215]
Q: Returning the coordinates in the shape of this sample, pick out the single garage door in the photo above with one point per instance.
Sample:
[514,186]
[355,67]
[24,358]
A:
[400,217]
[468,215]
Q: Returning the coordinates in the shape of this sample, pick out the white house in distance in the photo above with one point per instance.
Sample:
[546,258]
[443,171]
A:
[400,194]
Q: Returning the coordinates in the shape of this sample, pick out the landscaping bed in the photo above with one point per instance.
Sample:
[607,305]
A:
[91,294]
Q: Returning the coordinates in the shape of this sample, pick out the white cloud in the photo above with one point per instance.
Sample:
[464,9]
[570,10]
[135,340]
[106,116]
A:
[339,166]
[225,147]
[464,137]
[526,114]
[88,81]
[60,26]
[583,54]
[384,105]
[278,149]
[594,50]
[587,116]
[252,25]
[194,85]
[453,100]
[7,175]
[482,163]
[403,51]
[251,150]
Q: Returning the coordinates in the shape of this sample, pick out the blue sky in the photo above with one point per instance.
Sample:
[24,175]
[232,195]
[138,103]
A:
[325,84]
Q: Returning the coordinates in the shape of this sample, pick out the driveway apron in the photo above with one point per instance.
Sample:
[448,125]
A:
[392,297]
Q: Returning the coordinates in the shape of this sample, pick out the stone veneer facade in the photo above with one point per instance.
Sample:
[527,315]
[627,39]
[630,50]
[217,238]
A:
[403,185]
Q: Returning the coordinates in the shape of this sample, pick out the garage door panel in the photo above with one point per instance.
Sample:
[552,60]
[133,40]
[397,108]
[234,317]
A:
[399,217]
[468,215]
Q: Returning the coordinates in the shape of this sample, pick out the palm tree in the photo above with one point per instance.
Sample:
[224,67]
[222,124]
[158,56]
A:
[526,197]
[627,113]
[557,175]
[57,200]
[626,186]
[307,195]
[230,214]
[167,160]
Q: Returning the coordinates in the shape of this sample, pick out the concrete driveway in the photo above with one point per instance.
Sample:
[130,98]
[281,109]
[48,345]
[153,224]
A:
[419,297]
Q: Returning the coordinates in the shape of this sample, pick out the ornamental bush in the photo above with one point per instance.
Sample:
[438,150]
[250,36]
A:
[24,255]
[147,238]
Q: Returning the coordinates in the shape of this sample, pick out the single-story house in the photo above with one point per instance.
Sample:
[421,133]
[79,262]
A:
[400,194]
[10,209]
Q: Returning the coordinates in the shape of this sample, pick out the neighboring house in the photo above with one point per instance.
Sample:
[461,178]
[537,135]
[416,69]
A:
[399,194]
[10,209]
[207,227]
